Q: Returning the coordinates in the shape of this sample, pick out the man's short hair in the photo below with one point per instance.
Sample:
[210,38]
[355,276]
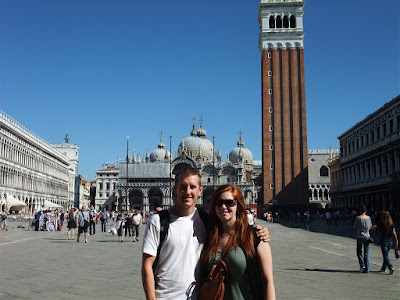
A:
[186,172]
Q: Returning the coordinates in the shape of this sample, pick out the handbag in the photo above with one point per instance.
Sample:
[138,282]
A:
[397,252]
[214,287]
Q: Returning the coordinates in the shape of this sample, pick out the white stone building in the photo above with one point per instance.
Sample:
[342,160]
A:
[72,152]
[32,171]
[106,183]
[368,168]
[319,180]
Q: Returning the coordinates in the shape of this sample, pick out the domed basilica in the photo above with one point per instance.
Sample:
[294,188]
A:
[150,180]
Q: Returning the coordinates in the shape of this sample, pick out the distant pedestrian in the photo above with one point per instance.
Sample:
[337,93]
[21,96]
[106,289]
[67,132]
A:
[103,220]
[71,223]
[250,218]
[328,217]
[3,220]
[307,219]
[119,226]
[362,225]
[137,220]
[128,223]
[82,222]
[61,219]
[387,234]
[92,220]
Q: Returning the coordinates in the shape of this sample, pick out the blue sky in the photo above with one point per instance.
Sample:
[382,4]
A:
[102,70]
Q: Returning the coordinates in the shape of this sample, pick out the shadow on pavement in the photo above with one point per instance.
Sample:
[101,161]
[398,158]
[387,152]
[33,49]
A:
[331,271]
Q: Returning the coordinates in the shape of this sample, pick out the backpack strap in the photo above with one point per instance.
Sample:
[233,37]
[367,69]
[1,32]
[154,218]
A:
[165,219]
[205,218]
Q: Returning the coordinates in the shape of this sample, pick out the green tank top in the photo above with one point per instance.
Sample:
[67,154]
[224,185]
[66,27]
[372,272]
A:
[237,282]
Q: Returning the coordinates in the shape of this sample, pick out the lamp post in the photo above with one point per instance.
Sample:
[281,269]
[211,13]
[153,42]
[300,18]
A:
[127,172]
[170,170]
[213,161]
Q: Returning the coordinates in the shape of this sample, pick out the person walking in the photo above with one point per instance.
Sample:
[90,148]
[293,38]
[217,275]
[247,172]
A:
[119,226]
[307,219]
[103,219]
[128,223]
[92,220]
[387,233]
[71,223]
[137,220]
[82,222]
[62,217]
[362,225]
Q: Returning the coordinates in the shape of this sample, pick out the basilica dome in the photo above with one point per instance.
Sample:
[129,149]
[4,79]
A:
[197,146]
[160,154]
[241,154]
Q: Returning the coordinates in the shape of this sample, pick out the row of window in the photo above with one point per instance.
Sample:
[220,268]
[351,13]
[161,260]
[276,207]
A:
[285,22]
[372,136]
[107,186]
[381,165]
[30,183]
[23,157]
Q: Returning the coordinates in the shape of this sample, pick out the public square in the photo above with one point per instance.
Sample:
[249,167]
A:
[307,265]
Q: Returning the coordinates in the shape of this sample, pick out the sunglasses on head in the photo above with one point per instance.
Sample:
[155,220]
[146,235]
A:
[227,202]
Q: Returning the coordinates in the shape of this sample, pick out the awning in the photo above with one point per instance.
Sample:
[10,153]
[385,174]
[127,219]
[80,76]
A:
[14,204]
[48,205]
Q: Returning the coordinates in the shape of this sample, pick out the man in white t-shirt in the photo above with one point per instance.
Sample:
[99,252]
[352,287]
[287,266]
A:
[136,222]
[175,274]
[181,249]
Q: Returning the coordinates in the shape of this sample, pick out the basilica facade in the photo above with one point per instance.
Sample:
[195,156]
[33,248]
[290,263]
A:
[146,183]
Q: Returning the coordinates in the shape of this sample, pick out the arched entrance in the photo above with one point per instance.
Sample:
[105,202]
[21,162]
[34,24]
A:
[136,200]
[155,198]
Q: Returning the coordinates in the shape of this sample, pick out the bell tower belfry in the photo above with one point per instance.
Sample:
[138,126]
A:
[284,131]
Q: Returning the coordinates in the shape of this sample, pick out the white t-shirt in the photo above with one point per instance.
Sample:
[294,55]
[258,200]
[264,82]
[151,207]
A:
[136,219]
[180,252]
[250,218]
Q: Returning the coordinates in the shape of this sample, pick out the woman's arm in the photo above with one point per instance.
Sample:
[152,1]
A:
[395,237]
[266,270]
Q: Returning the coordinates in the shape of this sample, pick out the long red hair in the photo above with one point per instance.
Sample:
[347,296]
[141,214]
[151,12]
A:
[243,234]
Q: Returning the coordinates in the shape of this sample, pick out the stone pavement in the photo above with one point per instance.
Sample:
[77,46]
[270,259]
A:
[307,265]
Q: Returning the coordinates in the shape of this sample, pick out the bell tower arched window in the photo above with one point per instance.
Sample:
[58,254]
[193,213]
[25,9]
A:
[278,22]
[285,22]
[292,22]
[271,22]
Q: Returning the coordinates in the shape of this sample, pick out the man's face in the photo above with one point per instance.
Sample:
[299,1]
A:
[83,208]
[188,190]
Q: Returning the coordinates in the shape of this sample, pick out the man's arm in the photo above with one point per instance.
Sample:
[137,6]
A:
[148,276]
[263,233]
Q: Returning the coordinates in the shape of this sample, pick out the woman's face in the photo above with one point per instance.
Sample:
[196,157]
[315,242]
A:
[225,209]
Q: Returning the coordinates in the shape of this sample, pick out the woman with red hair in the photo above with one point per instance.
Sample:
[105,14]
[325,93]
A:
[249,262]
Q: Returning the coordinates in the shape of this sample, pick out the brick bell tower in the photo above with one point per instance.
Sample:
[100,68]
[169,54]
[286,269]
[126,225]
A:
[284,131]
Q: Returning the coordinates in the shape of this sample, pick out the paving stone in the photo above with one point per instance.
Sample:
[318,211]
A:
[316,264]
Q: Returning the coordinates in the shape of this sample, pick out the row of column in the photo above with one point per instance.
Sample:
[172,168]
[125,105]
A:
[319,194]
[388,200]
